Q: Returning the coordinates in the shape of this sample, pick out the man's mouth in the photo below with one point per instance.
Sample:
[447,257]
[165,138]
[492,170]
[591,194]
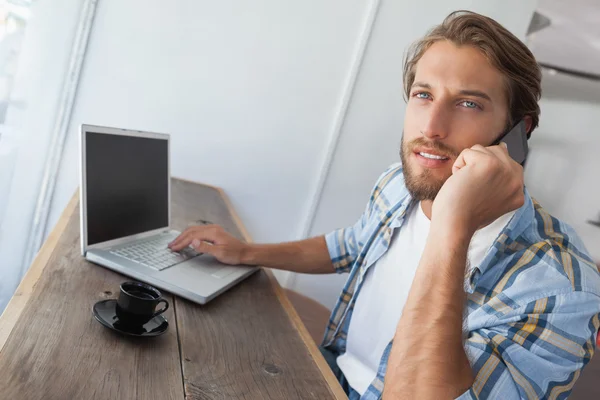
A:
[429,158]
[432,156]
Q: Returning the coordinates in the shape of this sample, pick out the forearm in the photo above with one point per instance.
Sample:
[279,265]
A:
[427,359]
[308,256]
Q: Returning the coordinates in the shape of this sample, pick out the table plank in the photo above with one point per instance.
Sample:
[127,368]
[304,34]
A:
[56,350]
[248,343]
[17,303]
[242,346]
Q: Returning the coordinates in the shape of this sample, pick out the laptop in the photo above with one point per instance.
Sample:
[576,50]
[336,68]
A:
[125,193]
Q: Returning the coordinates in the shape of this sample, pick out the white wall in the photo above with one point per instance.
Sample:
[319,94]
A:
[250,94]
[248,91]
[562,170]
[41,67]
[370,140]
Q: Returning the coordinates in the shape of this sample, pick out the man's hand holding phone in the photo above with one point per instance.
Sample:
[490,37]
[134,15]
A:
[486,183]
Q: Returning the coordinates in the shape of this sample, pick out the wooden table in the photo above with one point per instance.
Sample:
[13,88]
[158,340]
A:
[246,344]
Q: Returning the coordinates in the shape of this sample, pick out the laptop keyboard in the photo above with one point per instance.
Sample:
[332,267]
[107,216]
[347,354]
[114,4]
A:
[154,253]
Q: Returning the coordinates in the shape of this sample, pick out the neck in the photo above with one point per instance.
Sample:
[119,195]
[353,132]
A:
[426,206]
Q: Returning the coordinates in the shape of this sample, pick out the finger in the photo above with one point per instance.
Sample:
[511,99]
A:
[201,233]
[466,157]
[179,238]
[183,236]
[501,151]
[203,247]
[479,148]
[459,162]
[182,244]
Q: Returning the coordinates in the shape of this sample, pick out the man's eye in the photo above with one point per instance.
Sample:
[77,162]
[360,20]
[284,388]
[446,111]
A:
[469,104]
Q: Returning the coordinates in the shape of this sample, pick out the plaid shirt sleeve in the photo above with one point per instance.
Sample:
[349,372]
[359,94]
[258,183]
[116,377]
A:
[529,353]
[344,245]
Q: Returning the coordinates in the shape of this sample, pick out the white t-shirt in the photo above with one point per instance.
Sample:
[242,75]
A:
[384,292]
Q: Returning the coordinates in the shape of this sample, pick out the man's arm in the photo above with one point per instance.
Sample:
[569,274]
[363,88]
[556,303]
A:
[309,256]
[535,349]
[427,360]
[334,252]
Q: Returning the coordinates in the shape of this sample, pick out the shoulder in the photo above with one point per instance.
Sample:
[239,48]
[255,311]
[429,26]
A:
[548,257]
[564,250]
[390,184]
[393,174]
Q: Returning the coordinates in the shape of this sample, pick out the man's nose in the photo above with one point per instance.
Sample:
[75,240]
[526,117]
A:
[436,123]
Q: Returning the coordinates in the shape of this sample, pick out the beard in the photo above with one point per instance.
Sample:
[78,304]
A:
[424,185]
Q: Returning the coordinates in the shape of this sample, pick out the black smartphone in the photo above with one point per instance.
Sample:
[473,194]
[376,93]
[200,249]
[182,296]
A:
[516,142]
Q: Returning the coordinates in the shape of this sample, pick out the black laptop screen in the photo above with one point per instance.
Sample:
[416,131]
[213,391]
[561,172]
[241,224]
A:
[126,185]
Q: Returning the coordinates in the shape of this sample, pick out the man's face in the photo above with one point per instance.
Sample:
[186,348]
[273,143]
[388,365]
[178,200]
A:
[457,100]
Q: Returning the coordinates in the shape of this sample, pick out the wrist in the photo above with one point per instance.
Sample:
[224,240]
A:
[248,254]
[453,233]
[454,225]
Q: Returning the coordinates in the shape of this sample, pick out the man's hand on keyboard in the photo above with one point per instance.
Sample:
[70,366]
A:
[213,240]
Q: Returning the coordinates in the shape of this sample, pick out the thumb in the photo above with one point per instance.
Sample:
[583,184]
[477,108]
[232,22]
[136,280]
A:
[459,163]
[202,246]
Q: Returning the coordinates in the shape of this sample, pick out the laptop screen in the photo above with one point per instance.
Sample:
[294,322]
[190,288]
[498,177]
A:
[127,185]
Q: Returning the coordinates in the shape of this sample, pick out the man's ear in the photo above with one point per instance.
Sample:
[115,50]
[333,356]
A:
[528,122]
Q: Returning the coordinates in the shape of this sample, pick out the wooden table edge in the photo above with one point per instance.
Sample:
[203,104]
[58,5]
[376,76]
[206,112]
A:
[333,383]
[21,297]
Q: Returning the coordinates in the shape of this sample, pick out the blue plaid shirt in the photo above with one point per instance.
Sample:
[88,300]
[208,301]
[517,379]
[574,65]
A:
[533,302]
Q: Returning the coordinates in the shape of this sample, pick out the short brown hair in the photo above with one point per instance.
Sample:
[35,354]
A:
[503,50]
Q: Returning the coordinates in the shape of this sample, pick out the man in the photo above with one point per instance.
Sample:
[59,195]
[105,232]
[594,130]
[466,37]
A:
[460,285]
